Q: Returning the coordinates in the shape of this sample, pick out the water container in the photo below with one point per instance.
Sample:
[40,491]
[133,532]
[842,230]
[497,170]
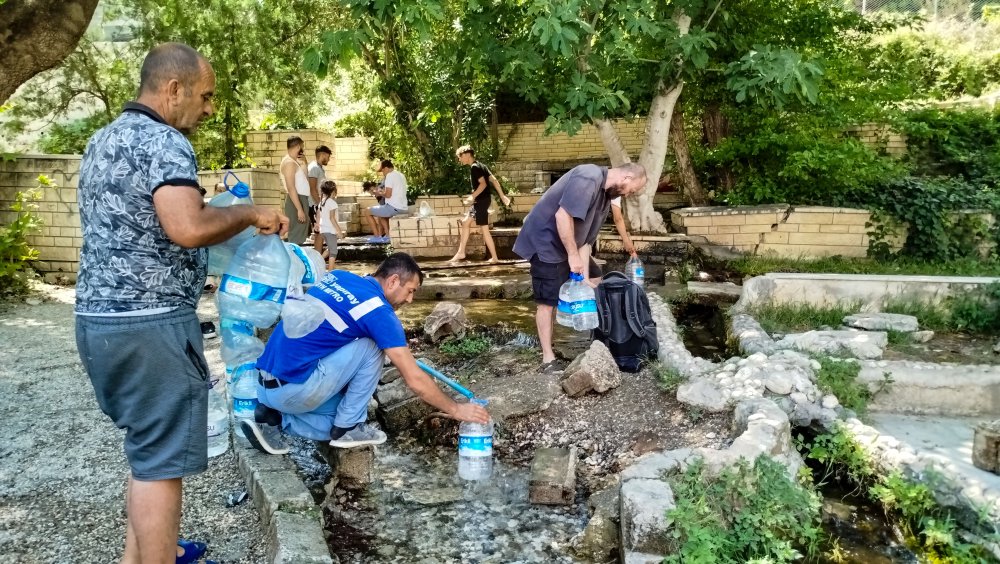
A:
[301,316]
[296,270]
[239,342]
[425,210]
[318,270]
[244,395]
[218,424]
[237,195]
[635,271]
[583,306]
[564,312]
[475,449]
[254,285]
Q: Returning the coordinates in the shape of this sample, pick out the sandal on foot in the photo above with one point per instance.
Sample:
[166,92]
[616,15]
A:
[549,367]
[193,550]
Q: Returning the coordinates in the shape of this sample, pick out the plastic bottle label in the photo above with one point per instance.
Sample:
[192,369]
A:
[251,290]
[475,446]
[583,306]
[244,406]
[218,428]
[310,276]
[640,272]
[564,307]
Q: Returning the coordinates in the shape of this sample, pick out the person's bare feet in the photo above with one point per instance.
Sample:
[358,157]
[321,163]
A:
[457,258]
[493,260]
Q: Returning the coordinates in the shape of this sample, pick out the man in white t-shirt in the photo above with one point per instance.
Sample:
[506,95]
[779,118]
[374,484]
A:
[394,192]
[316,175]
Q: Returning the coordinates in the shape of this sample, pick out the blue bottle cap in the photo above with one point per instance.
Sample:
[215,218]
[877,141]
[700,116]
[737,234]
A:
[240,190]
[479,401]
[576,276]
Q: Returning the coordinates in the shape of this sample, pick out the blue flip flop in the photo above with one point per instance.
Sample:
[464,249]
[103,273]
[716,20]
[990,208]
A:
[193,550]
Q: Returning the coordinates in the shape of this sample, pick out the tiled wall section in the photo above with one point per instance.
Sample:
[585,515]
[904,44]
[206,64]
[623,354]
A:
[528,142]
[60,240]
[878,135]
[793,232]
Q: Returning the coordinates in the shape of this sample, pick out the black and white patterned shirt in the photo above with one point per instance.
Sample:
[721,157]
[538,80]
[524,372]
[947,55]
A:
[127,263]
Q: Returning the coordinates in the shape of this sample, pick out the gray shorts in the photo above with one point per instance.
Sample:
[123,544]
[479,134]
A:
[331,243]
[150,377]
[385,211]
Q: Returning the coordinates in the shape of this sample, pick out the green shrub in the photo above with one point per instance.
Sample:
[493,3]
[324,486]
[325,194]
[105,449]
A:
[747,513]
[975,311]
[15,252]
[968,266]
[467,347]
[840,378]
[669,378]
[954,143]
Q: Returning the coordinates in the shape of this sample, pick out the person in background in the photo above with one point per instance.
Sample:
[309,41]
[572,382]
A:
[565,221]
[293,177]
[394,192]
[479,211]
[329,227]
[142,269]
[316,175]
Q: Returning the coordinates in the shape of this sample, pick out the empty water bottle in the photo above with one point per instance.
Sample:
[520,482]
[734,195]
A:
[318,270]
[256,281]
[218,424]
[244,393]
[240,344]
[635,271]
[475,449]
[236,195]
[296,270]
[301,316]
[425,210]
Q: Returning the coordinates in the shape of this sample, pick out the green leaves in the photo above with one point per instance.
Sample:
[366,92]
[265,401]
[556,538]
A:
[770,77]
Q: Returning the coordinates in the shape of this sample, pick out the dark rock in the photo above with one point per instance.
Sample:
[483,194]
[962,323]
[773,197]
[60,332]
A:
[446,320]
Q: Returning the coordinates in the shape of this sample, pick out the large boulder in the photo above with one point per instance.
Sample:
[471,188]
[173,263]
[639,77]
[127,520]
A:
[594,370]
[446,320]
[702,393]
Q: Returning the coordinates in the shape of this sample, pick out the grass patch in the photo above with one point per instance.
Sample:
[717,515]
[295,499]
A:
[747,513]
[976,311]
[840,378]
[801,317]
[669,378]
[758,265]
[467,347]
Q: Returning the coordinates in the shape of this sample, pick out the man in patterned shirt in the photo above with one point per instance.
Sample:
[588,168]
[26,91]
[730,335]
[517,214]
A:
[142,269]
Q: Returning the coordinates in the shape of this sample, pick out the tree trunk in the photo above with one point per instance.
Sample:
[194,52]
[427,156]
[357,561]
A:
[612,142]
[716,128]
[36,35]
[230,150]
[685,169]
[642,216]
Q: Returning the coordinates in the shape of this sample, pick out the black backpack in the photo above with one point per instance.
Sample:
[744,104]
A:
[625,323]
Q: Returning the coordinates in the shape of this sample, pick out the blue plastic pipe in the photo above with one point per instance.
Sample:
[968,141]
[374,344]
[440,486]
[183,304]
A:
[454,385]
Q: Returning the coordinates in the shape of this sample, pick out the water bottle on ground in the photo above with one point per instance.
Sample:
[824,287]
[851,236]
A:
[244,395]
[564,312]
[218,424]
[240,345]
[236,195]
[256,281]
[583,306]
[635,271]
[475,449]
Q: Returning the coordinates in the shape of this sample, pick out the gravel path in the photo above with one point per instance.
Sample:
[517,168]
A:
[62,469]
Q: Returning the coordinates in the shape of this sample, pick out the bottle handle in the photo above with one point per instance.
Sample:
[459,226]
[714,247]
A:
[226,176]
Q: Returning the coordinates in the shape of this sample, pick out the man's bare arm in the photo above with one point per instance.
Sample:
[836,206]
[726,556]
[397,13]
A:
[567,234]
[190,223]
[425,388]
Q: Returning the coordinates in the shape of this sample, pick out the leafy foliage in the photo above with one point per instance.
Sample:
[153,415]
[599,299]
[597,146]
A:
[840,378]
[15,252]
[785,318]
[748,513]
[467,347]
[975,311]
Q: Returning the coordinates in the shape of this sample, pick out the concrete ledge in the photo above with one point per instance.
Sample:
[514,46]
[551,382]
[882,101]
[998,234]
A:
[292,520]
[924,388]
[871,292]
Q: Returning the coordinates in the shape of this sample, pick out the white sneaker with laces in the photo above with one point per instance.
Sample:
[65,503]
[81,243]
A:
[361,435]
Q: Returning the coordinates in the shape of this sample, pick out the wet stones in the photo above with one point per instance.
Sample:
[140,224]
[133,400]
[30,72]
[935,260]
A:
[446,320]
[858,344]
[986,446]
[594,370]
[553,476]
[353,468]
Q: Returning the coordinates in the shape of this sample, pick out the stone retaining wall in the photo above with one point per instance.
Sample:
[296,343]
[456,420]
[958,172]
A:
[350,154]
[787,231]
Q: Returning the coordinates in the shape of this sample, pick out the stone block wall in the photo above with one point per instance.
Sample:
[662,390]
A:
[436,236]
[528,141]
[60,238]
[350,154]
[265,185]
[792,232]
[879,135]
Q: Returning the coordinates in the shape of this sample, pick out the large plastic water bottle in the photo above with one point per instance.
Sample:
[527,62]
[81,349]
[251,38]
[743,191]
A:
[218,424]
[236,195]
[244,395]
[475,449]
[318,270]
[635,271]
[240,344]
[564,311]
[296,270]
[256,281]
[301,316]
[583,306]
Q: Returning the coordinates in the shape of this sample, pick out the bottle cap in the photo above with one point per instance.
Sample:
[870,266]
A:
[479,401]
[240,190]
[576,276]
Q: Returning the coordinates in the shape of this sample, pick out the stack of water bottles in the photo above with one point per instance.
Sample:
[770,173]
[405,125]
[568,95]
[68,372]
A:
[577,304]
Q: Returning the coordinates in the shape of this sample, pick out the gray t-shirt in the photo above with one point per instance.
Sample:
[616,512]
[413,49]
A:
[127,262]
[581,193]
[315,170]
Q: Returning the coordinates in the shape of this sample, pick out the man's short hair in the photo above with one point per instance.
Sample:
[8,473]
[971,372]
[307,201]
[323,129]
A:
[465,149]
[635,169]
[401,264]
[169,61]
[294,141]
[367,185]
[386,163]
[323,149]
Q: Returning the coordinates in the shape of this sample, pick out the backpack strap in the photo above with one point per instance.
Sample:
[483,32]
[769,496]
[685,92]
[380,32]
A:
[632,310]
[603,309]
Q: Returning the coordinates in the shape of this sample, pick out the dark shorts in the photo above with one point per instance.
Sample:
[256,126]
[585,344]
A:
[480,210]
[547,278]
[150,377]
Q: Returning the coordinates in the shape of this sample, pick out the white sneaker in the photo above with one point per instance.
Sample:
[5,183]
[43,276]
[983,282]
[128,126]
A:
[265,438]
[361,435]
